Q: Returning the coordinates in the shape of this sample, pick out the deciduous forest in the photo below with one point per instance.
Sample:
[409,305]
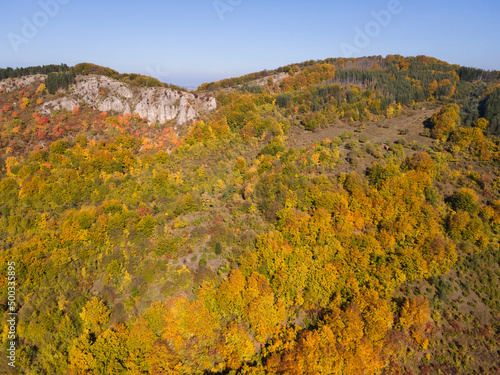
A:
[232,246]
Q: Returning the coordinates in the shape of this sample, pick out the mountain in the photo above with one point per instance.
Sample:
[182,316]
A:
[105,94]
[334,216]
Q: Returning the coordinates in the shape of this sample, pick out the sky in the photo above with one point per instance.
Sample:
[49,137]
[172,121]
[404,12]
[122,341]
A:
[188,42]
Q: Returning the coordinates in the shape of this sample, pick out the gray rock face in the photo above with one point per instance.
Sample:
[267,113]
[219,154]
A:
[276,78]
[102,93]
[63,103]
[12,84]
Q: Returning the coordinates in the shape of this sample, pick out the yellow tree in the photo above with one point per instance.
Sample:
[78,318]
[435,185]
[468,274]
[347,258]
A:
[95,315]
[81,358]
[415,312]
[110,351]
[236,345]
[140,340]
[444,121]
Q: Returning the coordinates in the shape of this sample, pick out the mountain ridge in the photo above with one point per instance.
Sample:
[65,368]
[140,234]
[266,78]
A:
[157,104]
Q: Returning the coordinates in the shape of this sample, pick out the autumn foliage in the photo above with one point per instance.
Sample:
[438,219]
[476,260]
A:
[233,246]
[442,123]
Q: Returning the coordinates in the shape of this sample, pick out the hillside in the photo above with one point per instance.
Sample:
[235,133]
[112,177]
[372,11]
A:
[105,94]
[337,216]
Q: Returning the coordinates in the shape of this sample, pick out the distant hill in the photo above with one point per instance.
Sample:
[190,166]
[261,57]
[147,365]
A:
[404,80]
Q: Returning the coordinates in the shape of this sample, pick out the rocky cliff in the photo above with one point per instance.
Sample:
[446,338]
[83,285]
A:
[102,93]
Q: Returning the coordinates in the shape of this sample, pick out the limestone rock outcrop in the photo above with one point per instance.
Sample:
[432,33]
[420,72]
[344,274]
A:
[156,104]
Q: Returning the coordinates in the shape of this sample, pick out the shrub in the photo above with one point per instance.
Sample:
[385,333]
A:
[346,135]
[373,149]
[146,225]
[40,120]
[187,204]
[59,147]
[377,174]
[432,195]
[202,262]
[420,161]
[81,139]
[218,248]
[283,99]
[465,200]
[352,144]
[273,148]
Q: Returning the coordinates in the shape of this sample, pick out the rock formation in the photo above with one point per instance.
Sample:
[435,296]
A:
[157,104]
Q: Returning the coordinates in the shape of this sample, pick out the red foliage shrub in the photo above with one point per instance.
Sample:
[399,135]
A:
[42,120]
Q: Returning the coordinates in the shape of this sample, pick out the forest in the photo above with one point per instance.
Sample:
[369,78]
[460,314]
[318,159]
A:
[232,246]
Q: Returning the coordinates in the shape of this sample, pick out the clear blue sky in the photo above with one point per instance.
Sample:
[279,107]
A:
[188,42]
